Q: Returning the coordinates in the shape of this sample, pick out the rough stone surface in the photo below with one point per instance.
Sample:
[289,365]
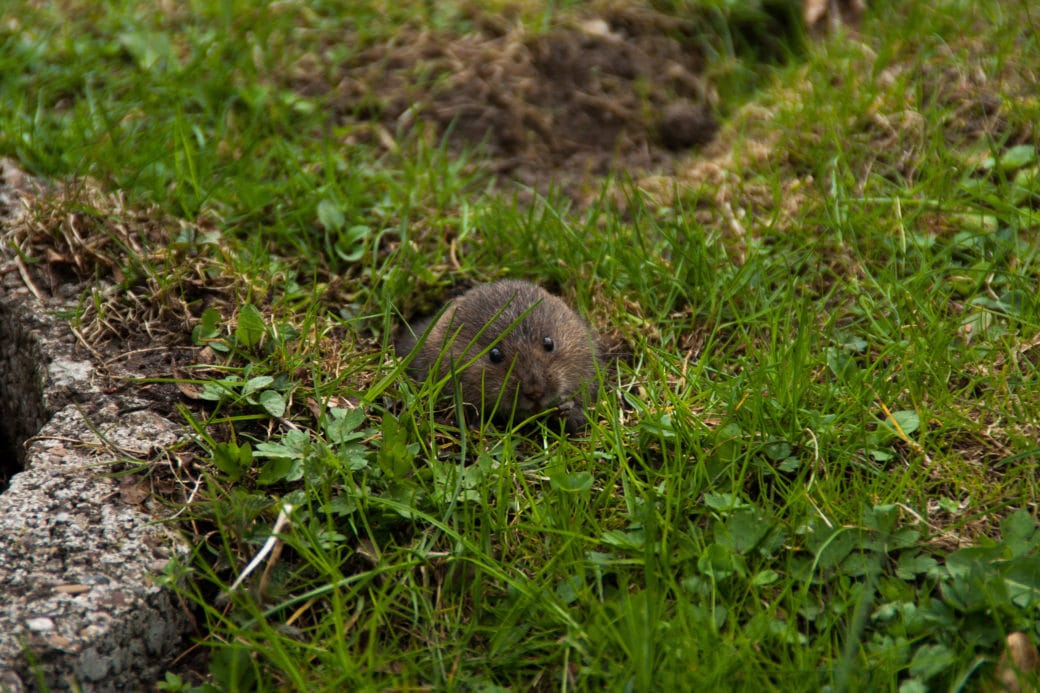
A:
[80,605]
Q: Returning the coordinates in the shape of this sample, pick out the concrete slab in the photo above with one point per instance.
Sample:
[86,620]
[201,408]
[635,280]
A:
[80,604]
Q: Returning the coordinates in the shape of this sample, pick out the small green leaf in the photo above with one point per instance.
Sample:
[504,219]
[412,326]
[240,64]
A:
[251,327]
[406,493]
[208,330]
[840,363]
[764,626]
[976,221]
[356,457]
[340,505]
[744,529]
[569,589]
[723,502]
[232,459]
[839,544]
[393,455]
[1019,531]
[1017,157]
[979,187]
[728,443]
[908,422]
[713,617]
[294,444]
[931,660]
[172,682]
[885,612]
[777,450]
[330,215]
[280,469]
[859,563]
[256,384]
[719,562]
[623,540]
[150,49]
[216,391]
[273,403]
[881,518]
[912,565]
[1026,188]
[1015,303]
[904,538]
[578,482]
[1023,582]
[341,425]
[351,244]
[764,577]
[913,686]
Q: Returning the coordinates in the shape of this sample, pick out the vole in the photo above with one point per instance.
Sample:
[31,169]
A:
[515,348]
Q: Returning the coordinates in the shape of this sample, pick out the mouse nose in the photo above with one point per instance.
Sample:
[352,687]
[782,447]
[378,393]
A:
[533,388]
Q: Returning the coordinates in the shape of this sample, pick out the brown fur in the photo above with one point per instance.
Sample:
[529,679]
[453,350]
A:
[563,379]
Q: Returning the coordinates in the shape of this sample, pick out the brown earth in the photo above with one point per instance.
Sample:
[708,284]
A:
[621,91]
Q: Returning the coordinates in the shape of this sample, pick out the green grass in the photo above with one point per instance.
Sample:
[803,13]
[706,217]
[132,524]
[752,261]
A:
[817,467]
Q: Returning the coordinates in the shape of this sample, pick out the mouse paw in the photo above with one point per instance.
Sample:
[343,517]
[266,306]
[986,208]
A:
[574,417]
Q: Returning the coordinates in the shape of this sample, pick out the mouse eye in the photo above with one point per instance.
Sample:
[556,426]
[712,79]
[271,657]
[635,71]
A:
[547,343]
[495,355]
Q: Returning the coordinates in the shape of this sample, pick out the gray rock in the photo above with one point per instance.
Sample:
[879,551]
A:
[80,604]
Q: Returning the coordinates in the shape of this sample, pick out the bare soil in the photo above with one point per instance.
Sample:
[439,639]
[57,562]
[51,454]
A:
[621,91]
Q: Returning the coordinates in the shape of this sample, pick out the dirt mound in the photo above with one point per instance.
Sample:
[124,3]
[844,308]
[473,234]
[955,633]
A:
[621,91]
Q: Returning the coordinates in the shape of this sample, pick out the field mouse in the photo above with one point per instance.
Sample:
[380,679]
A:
[546,361]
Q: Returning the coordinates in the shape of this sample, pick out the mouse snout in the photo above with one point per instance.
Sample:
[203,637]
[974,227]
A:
[533,387]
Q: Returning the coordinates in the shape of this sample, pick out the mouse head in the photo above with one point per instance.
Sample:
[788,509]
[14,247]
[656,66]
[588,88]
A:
[517,348]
